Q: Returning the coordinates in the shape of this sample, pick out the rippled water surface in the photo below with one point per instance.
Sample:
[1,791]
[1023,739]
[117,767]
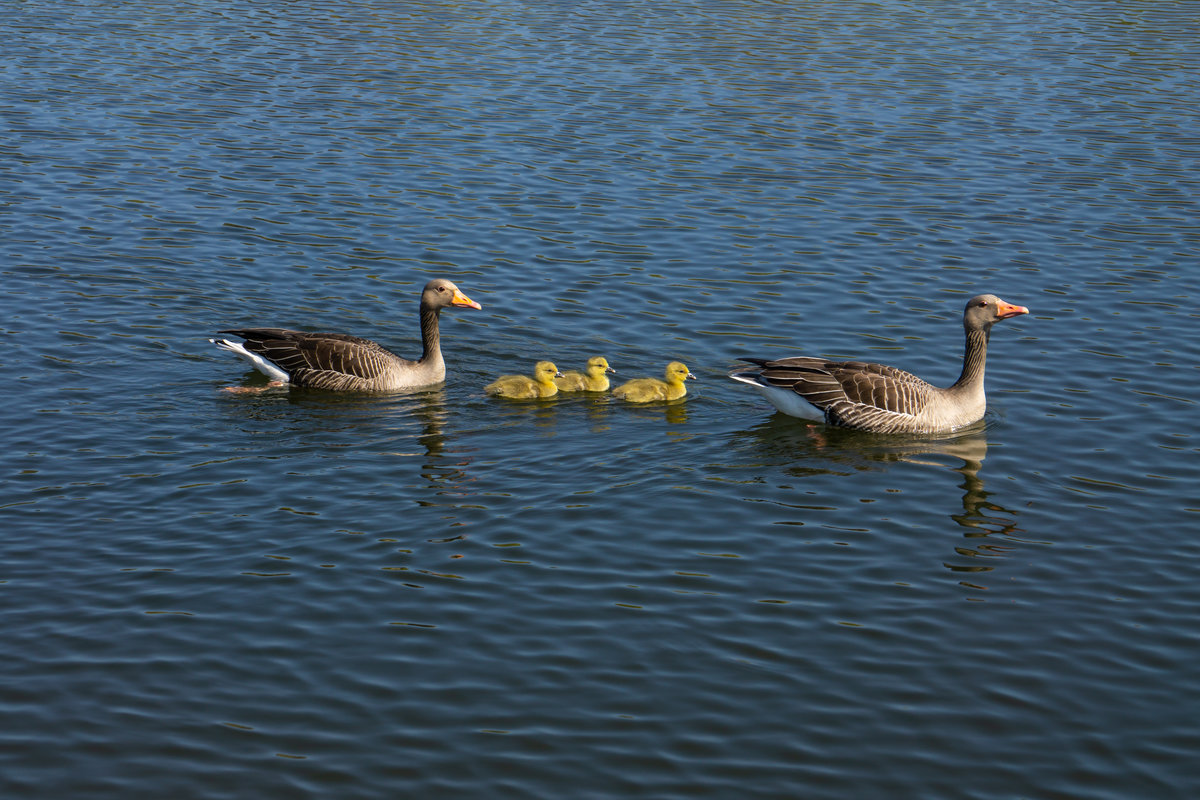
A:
[438,594]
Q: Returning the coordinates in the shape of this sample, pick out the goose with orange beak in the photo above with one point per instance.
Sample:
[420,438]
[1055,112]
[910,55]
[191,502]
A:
[879,398]
[343,363]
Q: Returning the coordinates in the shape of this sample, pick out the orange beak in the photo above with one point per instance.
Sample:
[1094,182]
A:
[1005,310]
[462,301]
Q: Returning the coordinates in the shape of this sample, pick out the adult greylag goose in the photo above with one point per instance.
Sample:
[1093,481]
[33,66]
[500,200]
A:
[594,377]
[646,390]
[345,363]
[874,397]
[522,387]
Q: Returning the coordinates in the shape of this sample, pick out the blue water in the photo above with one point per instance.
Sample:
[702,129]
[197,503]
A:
[439,594]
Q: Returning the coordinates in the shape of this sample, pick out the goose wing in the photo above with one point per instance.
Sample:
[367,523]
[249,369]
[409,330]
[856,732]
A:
[320,360]
[855,394]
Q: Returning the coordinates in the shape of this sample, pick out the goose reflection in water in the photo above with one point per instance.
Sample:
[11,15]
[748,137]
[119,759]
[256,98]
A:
[405,424]
[981,517]
[806,451]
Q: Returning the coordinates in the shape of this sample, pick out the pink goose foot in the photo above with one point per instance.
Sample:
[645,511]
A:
[252,389]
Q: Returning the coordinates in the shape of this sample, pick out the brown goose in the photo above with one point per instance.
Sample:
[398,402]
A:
[874,397]
[345,363]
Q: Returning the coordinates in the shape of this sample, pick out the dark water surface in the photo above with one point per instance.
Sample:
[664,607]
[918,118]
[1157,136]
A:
[437,594]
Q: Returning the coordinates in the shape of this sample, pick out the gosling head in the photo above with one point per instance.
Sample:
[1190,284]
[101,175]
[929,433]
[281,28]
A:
[677,372]
[598,365]
[545,372]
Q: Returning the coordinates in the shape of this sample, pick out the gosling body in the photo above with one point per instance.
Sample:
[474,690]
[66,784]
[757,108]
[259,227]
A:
[647,390]
[523,387]
[594,377]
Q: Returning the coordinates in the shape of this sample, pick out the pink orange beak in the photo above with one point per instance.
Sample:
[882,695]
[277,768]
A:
[1005,310]
[462,301]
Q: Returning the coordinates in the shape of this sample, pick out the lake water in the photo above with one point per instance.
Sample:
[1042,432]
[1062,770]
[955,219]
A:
[438,594]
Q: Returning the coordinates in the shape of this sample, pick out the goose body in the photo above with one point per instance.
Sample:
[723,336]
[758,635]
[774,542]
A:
[594,378]
[879,398]
[646,390]
[343,363]
[522,387]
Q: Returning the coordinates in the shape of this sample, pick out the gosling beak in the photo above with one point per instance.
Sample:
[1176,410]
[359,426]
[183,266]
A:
[610,369]
[691,377]
[462,301]
[1005,310]
[558,373]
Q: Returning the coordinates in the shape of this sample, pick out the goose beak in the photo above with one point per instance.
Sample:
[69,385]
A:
[1005,310]
[462,301]
[691,377]
[610,369]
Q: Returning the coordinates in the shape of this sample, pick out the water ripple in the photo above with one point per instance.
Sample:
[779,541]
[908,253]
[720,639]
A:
[445,595]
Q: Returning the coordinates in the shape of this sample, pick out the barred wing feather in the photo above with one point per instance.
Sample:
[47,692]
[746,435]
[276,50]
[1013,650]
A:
[854,394]
[335,361]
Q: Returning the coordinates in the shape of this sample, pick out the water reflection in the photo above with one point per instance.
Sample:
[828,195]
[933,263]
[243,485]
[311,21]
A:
[980,516]
[810,450]
[402,424]
[676,412]
[673,412]
[598,411]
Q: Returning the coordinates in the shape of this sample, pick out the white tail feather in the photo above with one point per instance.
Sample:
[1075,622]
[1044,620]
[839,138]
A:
[258,362]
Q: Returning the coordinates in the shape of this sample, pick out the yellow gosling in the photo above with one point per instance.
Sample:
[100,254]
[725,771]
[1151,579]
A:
[522,387]
[645,390]
[592,379]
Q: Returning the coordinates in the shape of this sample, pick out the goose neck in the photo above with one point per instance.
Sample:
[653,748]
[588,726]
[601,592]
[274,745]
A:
[974,359]
[431,338]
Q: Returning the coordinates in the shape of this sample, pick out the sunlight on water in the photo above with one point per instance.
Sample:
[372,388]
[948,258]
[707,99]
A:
[437,593]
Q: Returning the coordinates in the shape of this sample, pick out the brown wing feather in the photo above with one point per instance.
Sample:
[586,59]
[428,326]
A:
[854,394]
[786,371]
[320,360]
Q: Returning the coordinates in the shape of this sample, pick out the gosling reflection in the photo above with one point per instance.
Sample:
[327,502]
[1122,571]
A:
[597,410]
[676,413]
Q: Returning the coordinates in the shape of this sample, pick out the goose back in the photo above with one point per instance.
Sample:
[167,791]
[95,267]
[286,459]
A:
[336,361]
[854,394]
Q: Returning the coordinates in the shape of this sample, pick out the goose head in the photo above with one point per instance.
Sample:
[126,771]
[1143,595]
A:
[440,293]
[984,310]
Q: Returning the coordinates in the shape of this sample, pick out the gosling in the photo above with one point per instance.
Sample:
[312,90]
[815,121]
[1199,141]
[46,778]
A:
[522,387]
[592,379]
[646,390]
